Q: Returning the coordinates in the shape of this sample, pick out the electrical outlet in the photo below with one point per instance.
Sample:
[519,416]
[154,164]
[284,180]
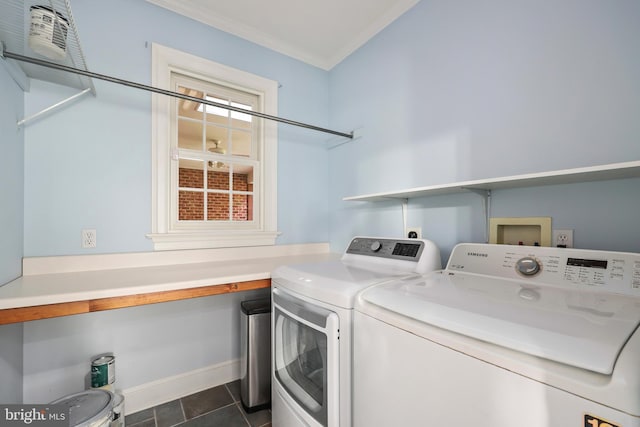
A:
[563,238]
[414,232]
[89,238]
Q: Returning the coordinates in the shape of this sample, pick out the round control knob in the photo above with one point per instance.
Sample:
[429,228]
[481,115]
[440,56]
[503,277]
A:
[528,266]
[376,246]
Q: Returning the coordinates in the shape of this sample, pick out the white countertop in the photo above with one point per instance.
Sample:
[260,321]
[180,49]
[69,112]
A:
[60,284]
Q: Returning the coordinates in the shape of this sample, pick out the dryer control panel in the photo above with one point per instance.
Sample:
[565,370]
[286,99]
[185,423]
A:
[387,248]
[617,272]
[414,255]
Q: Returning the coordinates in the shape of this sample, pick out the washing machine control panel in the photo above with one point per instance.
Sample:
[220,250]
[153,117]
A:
[617,272]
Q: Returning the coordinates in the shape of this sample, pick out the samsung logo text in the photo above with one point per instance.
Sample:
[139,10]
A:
[480,254]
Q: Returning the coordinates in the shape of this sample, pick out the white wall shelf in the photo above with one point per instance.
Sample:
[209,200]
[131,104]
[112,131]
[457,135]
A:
[565,176]
[15,20]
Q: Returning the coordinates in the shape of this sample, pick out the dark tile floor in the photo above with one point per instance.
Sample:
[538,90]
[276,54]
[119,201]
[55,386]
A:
[217,406]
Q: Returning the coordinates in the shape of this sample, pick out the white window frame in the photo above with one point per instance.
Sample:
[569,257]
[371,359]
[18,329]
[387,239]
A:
[166,61]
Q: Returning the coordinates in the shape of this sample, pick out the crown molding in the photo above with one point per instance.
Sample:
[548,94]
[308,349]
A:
[264,39]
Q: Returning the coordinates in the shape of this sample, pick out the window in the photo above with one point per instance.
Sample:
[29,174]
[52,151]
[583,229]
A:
[214,169]
[217,156]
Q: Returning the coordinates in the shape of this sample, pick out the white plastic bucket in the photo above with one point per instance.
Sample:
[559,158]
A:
[90,408]
[118,411]
[48,32]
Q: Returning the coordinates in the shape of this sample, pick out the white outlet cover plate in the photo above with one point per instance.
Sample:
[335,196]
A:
[89,238]
[562,237]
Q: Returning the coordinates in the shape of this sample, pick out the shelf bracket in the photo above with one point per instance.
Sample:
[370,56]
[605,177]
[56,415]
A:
[486,203]
[53,107]
[405,208]
[336,142]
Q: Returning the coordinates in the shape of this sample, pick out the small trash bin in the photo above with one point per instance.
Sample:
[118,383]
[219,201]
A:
[255,354]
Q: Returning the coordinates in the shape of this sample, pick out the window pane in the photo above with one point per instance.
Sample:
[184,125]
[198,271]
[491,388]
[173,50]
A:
[241,120]
[190,206]
[215,114]
[241,207]
[188,108]
[242,178]
[191,173]
[241,143]
[218,206]
[217,139]
[218,176]
[189,134]
[243,203]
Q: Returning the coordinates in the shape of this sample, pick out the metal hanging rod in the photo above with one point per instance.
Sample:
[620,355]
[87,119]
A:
[43,63]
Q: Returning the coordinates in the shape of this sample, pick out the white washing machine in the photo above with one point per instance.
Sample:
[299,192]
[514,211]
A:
[312,325]
[505,336]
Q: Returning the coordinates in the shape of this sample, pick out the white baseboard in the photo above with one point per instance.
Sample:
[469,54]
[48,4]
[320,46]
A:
[167,389]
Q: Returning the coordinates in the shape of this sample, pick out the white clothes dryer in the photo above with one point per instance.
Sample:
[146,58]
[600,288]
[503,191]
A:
[312,325]
[505,336]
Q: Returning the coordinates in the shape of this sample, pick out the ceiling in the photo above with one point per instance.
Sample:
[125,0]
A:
[320,33]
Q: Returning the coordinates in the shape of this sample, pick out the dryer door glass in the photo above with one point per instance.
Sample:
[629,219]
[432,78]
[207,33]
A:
[303,355]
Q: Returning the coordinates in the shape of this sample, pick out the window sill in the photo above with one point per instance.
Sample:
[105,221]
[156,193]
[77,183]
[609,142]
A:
[204,240]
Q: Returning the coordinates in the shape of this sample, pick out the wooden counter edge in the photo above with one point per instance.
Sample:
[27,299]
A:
[24,314]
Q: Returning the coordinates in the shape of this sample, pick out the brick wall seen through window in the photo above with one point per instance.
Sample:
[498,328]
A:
[191,203]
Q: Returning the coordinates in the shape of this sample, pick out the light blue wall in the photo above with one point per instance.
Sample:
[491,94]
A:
[11,213]
[11,177]
[150,342]
[89,165]
[451,91]
[458,90]
[11,363]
